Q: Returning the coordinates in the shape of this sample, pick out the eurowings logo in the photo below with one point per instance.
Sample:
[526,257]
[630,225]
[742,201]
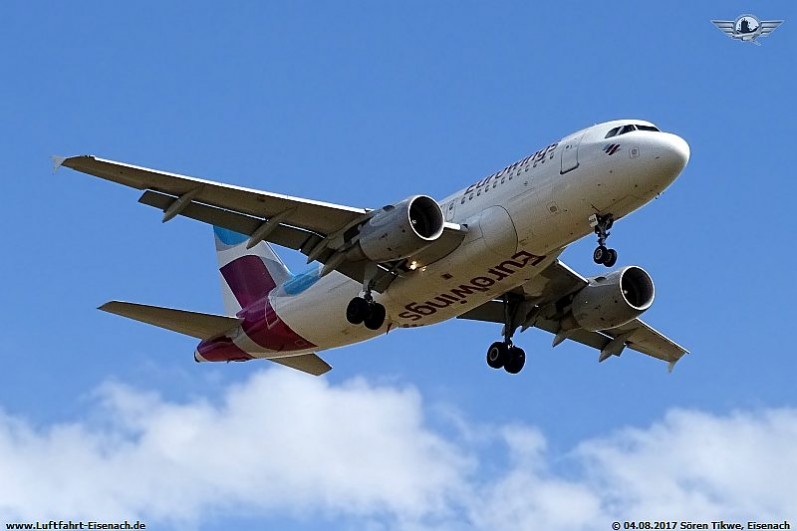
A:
[611,149]
[461,294]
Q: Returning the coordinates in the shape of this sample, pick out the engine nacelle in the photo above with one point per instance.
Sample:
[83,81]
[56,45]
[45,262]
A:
[401,230]
[613,300]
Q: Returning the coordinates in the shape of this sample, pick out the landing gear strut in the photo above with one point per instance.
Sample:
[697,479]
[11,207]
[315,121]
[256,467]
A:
[503,354]
[364,309]
[603,255]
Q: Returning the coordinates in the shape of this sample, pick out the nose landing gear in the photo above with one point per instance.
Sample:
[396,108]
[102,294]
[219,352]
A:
[602,254]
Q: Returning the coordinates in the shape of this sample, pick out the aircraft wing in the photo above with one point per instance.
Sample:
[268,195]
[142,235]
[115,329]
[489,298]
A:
[316,216]
[314,228]
[541,295]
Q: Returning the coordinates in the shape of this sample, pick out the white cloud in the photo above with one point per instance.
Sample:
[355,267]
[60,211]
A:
[697,465]
[283,443]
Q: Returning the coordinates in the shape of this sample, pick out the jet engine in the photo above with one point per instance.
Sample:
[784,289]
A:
[613,300]
[400,230]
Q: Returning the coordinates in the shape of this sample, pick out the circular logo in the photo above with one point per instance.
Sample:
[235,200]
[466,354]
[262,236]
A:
[746,25]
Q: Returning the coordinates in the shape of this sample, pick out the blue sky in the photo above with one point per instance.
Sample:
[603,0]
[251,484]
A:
[365,104]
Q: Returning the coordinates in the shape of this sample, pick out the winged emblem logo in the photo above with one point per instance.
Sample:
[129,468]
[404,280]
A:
[747,28]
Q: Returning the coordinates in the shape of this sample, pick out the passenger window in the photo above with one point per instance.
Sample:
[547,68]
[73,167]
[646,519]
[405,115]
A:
[503,179]
[612,132]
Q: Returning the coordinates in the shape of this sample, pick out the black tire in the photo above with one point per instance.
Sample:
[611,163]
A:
[600,254]
[611,258]
[357,310]
[517,359]
[376,316]
[497,355]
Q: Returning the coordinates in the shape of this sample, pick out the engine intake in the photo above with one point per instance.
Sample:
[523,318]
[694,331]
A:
[400,230]
[613,300]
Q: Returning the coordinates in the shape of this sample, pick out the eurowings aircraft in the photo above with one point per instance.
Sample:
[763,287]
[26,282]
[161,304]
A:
[488,252]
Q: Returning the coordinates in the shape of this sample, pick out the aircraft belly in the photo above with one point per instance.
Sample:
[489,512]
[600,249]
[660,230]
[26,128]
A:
[468,278]
[319,313]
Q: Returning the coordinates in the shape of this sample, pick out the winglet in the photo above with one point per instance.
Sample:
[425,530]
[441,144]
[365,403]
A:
[58,162]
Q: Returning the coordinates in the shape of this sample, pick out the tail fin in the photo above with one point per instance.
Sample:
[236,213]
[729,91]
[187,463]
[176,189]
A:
[247,274]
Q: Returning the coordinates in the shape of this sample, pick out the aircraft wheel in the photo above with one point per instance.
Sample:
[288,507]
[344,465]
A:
[376,316]
[600,254]
[357,310]
[516,361]
[611,258]
[497,355]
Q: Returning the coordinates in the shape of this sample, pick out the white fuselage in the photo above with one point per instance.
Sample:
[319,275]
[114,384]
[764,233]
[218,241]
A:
[519,220]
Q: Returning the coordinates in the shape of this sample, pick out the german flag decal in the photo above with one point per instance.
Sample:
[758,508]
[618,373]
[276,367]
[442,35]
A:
[611,149]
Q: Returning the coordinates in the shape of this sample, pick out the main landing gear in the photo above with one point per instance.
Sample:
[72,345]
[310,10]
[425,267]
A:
[361,310]
[365,309]
[602,254]
[503,354]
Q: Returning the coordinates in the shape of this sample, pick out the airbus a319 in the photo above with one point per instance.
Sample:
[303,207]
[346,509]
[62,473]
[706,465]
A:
[488,252]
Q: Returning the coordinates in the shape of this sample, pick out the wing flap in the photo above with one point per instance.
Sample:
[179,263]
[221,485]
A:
[643,338]
[198,325]
[309,363]
[284,235]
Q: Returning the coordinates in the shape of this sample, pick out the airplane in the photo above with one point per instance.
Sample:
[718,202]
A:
[488,252]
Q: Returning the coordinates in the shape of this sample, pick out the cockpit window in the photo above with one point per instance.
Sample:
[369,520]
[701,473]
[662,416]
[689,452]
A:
[621,130]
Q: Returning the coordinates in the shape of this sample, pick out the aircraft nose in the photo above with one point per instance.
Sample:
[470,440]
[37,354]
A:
[673,154]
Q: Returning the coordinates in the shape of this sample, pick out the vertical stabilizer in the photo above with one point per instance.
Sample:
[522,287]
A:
[246,274]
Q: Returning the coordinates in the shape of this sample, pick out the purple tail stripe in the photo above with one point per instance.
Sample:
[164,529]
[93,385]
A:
[248,279]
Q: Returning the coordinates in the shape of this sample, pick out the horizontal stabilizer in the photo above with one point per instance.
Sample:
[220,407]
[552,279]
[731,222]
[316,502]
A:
[199,325]
[309,363]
